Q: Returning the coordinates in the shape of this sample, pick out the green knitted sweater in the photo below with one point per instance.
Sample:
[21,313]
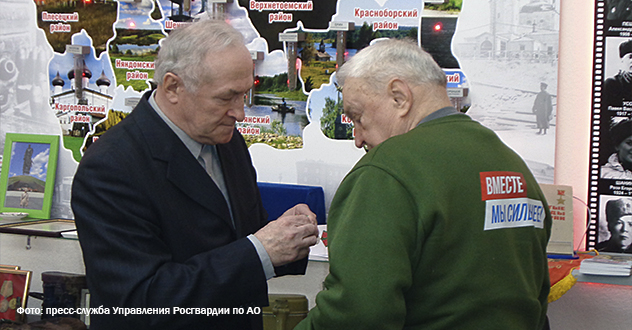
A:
[408,245]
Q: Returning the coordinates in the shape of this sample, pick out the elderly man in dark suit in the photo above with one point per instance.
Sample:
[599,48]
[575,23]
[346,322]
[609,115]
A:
[170,220]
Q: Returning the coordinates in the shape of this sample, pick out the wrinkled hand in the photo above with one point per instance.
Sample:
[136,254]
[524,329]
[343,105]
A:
[302,209]
[289,237]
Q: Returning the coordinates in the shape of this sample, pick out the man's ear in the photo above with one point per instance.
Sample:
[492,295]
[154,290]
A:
[400,94]
[172,86]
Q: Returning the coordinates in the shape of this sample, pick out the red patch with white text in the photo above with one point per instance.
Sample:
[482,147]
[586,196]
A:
[502,185]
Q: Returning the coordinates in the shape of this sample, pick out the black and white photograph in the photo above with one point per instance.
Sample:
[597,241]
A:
[617,87]
[615,224]
[509,51]
[618,165]
[619,10]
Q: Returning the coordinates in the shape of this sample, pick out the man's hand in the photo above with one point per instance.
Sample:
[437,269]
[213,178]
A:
[289,237]
[302,209]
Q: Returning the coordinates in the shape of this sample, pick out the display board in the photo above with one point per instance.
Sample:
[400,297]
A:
[77,68]
[610,179]
[296,47]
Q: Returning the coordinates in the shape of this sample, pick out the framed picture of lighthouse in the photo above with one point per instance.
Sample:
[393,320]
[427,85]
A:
[27,179]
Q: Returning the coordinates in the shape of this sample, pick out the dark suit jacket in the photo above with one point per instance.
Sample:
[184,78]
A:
[156,231]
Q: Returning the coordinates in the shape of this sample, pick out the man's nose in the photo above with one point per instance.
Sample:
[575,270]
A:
[237,110]
[358,139]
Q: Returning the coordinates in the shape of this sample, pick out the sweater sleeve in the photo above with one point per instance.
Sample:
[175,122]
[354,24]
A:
[372,235]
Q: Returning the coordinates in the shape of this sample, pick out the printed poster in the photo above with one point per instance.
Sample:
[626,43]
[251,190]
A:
[77,68]
[610,180]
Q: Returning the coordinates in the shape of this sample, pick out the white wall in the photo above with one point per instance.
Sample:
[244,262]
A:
[574,103]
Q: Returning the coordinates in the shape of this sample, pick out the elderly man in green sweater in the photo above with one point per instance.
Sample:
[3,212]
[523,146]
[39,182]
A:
[440,225]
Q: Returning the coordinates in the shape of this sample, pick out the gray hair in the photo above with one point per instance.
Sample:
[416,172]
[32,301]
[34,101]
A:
[186,48]
[392,58]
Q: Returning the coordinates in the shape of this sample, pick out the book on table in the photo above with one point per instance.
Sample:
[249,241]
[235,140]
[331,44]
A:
[607,264]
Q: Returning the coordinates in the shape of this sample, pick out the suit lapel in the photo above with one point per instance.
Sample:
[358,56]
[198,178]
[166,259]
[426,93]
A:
[187,174]
[183,170]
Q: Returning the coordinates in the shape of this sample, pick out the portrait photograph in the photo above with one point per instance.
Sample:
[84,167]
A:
[616,147]
[617,85]
[615,221]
